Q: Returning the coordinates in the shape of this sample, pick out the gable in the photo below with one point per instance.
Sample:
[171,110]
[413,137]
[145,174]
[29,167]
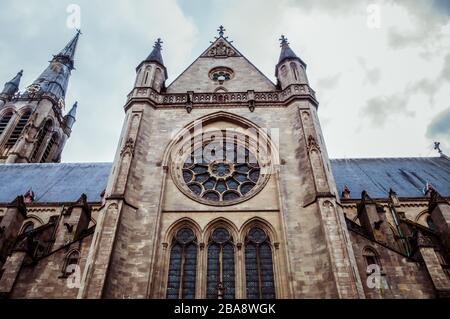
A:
[221,55]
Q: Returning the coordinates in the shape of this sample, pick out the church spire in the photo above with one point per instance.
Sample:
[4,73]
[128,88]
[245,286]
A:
[67,54]
[55,78]
[12,86]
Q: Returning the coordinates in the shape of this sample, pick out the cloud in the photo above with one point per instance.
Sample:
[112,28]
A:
[327,35]
[380,109]
[439,129]
[116,36]
[430,87]
[427,28]
[329,83]
[442,6]
[372,75]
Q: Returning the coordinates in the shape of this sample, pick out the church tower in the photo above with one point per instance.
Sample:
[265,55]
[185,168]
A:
[33,127]
[221,188]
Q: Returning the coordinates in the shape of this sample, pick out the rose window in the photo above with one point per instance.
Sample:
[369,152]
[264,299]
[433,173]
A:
[221,177]
[221,74]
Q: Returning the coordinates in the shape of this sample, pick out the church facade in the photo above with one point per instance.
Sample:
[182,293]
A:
[221,188]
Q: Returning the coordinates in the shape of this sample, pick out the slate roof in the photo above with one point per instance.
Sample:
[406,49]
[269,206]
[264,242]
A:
[406,176]
[54,183]
[64,183]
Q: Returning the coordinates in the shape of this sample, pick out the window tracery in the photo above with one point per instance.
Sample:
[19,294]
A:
[183,265]
[221,266]
[259,265]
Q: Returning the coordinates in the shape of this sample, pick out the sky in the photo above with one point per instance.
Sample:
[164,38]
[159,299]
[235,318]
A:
[381,68]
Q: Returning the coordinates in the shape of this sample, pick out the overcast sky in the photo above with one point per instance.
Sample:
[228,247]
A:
[383,81]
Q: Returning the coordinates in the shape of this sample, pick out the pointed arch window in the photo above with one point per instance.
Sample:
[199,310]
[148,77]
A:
[28,228]
[71,260]
[183,265]
[221,266]
[295,71]
[49,148]
[40,139]
[18,129]
[4,121]
[431,224]
[259,265]
[147,74]
[371,257]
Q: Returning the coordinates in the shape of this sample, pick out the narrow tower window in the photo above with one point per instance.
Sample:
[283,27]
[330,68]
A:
[4,121]
[259,265]
[182,266]
[221,275]
[49,148]
[40,139]
[295,71]
[18,129]
[147,73]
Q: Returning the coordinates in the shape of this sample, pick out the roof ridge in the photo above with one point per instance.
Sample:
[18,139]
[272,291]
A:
[385,158]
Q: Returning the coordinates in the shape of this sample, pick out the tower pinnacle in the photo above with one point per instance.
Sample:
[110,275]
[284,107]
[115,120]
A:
[72,115]
[286,51]
[290,68]
[156,56]
[12,86]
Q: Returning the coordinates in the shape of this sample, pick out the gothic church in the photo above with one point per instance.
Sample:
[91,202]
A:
[221,188]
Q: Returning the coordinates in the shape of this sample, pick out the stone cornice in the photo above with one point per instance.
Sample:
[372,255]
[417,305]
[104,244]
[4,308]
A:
[228,99]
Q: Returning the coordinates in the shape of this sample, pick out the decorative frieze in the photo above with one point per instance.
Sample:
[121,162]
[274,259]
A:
[177,99]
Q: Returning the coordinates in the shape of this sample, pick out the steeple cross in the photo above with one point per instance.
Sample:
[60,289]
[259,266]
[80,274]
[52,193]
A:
[437,146]
[158,44]
[221,30]
[284,40]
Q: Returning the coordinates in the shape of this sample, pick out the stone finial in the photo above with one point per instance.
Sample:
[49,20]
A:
[346,192]
[283,40]
[29,197]
[221,30]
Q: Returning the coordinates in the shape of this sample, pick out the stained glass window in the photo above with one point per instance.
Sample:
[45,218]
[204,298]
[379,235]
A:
[259,265]
[221,172]
[221,266]
[182,266]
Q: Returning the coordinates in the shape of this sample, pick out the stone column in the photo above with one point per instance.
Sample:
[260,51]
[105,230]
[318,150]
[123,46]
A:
[11,271]
[440,279]
[10,226]
[343,262]
[98,265]
[439,210]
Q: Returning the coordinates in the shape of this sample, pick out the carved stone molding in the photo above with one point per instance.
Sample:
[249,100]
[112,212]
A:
[128,148]
[312,144]
[220,50]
